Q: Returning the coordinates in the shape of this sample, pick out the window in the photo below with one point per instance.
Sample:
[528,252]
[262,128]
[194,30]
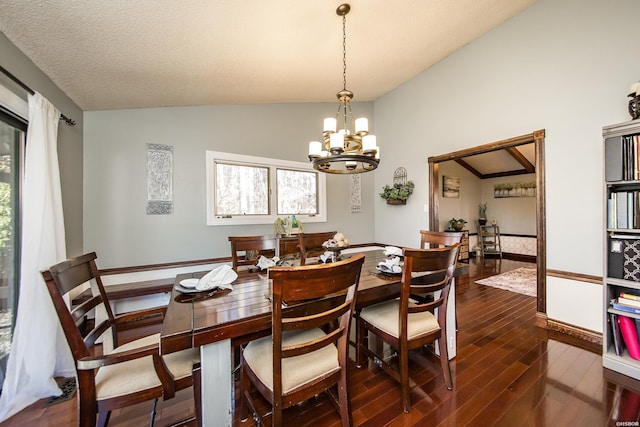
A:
[256,190]
[12,140]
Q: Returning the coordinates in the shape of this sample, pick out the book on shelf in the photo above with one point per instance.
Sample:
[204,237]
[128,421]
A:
[611,211]
[621,209]
[630,336]
[623,307]
[617,335]
[613,158]
[627,295]
[629,302]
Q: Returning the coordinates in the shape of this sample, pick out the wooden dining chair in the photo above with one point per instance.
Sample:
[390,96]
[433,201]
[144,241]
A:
[407,324]
[245,250]
[435,239]
[307,351]
[310,244]
[438,239]
[130,373]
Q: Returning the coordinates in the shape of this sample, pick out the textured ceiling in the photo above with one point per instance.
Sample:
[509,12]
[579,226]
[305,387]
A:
[150,53]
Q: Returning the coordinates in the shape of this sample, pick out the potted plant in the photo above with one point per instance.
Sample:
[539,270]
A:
[482,211]
[456,224]
[397,194]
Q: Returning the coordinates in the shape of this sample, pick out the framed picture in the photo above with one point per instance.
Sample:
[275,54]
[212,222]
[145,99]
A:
[450,187]
[519,189]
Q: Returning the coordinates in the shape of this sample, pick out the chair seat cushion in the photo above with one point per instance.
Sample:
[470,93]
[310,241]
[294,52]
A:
[139,374]
[297,370]
[385,316]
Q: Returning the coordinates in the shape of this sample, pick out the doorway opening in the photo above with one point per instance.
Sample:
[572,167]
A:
[537,139]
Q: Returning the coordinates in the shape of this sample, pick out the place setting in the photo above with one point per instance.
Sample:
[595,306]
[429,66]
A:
[393,263]
[217,282]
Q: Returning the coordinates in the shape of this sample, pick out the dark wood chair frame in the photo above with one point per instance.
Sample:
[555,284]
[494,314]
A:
[304,297]
[310,244]
[441,264]
[249,244]
[62,278]
[434,239]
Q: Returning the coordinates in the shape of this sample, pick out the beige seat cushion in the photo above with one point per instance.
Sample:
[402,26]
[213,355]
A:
[139,374]
[297,370]
[385,316]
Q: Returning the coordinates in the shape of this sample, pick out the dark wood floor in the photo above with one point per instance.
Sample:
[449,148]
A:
[507,372]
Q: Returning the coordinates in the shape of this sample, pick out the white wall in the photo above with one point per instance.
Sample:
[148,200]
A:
[465,206]
[116,225]
[561,65]
[514,215]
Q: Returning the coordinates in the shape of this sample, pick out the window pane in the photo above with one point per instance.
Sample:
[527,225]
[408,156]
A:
[11,140]
[241,190]
[297,192]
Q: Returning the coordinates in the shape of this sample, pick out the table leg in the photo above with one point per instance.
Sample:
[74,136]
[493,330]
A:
[215,362]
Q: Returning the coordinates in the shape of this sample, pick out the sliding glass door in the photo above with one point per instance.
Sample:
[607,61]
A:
[12,142]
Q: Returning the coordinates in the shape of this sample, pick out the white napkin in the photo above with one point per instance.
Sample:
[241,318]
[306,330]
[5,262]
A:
[220,277]
[391,265]
[392,251]
[264,262]
[326,256]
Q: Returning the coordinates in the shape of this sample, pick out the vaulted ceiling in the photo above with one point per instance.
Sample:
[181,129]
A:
[151,53]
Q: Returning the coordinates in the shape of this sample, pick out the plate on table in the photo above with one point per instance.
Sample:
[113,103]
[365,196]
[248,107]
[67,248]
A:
[382,269]
[186,290]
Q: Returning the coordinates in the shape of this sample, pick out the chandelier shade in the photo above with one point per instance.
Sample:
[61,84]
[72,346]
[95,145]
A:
[346,146]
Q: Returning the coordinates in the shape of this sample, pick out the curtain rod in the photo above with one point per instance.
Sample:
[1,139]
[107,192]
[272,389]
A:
[67,120]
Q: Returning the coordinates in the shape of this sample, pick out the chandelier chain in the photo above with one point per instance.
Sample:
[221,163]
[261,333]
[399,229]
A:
[344,52]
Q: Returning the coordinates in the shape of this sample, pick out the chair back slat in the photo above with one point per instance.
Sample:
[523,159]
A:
[313,320]
[298,350]
[250,244]
[310,244]
[85,308]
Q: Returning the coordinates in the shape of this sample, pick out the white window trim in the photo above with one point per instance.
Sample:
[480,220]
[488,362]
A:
[273,164]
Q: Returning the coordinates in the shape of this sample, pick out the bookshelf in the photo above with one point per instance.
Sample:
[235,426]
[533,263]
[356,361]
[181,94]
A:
[622,238]
[489,240]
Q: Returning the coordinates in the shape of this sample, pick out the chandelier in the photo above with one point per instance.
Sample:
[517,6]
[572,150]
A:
[350,149]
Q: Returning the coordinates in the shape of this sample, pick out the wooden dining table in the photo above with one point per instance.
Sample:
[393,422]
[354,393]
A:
[226,318]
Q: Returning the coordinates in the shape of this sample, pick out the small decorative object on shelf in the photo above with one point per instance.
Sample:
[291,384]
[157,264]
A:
[399,192]
[482,214]
[456,224]
[287,226]
[634,102]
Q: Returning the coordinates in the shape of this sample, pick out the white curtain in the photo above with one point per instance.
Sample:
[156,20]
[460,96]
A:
[38,349]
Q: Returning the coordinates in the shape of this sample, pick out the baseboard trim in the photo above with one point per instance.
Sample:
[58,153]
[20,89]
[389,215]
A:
[541,320]
[574,331]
